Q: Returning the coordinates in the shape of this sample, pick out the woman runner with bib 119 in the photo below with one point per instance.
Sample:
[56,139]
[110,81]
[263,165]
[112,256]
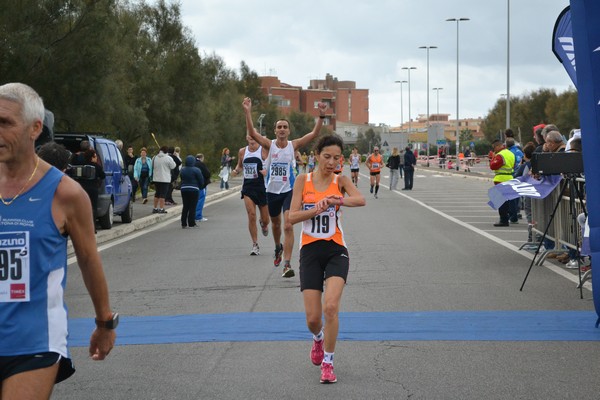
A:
[316,202]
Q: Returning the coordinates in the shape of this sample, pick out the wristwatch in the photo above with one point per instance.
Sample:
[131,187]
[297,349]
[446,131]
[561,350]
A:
[110,324]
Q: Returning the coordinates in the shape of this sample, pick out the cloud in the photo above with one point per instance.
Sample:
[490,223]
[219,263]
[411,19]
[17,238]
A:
[369,42]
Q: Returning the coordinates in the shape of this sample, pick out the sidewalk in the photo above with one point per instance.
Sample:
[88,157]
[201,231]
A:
[143,217]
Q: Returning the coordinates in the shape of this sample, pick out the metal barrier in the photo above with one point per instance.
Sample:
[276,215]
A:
[563,225]
[442,162]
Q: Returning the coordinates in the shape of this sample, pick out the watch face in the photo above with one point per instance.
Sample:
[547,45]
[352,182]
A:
[115,321]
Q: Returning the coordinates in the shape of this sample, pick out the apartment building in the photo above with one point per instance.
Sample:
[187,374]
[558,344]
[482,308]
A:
[347,104]
[418,127]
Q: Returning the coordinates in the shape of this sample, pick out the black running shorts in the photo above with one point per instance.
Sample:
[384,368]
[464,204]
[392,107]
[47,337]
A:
[320,260]
[12,365]
[279,203]
[258,197]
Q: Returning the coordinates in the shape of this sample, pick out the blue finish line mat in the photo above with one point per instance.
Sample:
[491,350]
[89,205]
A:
[354,326]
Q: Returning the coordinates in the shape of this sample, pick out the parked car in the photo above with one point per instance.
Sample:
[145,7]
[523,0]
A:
[115,197]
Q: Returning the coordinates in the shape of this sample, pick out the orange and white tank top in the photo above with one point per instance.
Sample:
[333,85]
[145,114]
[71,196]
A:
[340,165]
[376,162]
[327,225]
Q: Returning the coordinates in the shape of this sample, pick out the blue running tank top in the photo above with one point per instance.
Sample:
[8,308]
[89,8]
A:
[33,273]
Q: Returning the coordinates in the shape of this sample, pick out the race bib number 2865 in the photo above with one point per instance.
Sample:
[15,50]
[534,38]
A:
[14,266]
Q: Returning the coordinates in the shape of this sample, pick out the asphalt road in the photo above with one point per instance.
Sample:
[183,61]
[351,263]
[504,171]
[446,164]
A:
[430,256]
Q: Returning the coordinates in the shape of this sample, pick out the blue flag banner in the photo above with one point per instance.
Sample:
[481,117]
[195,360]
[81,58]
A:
[585,17]
[562,43]
[585,243]
[526,186]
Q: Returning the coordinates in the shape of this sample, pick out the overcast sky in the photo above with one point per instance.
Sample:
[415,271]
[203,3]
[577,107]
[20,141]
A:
[370,41]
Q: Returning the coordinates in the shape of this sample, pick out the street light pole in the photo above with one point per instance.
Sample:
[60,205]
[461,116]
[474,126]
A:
[437,89]
[458,20]
[260,120]
[409,120]
[401,107]
[508,65]
[427,124]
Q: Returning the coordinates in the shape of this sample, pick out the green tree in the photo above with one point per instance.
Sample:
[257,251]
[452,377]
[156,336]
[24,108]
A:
[366,142]
[466,136]
[526,112]
[563,111]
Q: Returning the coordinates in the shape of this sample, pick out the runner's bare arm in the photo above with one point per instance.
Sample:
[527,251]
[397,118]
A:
[297,214]
[238,166]
[262,140]
[72,212]
[306,139]
[353,197]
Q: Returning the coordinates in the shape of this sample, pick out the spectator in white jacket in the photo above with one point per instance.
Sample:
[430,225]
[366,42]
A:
[162,164]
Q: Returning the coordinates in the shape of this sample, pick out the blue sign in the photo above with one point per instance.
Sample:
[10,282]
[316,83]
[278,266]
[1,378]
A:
[562,43]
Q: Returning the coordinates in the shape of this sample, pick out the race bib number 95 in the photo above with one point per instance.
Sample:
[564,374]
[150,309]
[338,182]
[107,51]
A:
[14,266]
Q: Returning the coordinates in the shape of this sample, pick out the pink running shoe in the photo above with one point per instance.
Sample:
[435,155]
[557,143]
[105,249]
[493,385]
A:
[327,375]
[316,352]
[278,255]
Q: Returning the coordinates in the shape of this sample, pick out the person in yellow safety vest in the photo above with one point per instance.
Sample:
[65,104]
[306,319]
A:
[503,164]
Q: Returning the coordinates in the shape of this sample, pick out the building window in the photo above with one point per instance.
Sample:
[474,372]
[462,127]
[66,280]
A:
[280,100]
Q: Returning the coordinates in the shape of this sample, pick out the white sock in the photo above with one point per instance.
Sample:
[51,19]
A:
[319,337]
[328,358]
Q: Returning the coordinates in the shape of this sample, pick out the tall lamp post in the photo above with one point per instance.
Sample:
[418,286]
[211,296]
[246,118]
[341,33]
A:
[508,64]
[437,89]
[401,106]
[409,120]
[505,96]
[427,125]
[260,120]
[458,20]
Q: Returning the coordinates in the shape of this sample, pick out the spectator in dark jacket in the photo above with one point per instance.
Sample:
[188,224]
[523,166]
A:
[409,168]
[92,186]
[202,195]
[174,153]
[129,158]
[55,154]
[191,182]
[393,164]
